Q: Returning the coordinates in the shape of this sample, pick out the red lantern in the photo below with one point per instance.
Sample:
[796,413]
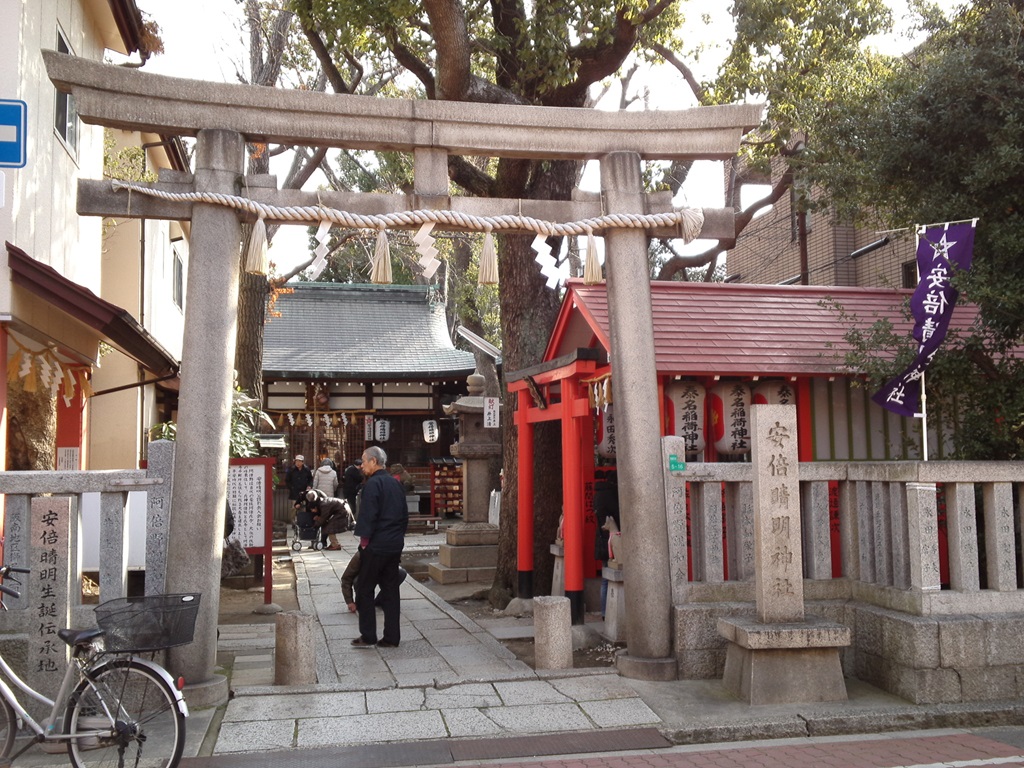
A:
[774,393]
[685,410]
[730,417]
[606,433]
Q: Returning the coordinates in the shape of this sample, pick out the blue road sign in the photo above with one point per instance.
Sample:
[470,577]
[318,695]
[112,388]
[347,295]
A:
[13,122]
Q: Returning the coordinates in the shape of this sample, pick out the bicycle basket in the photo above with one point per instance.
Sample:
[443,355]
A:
[149,623]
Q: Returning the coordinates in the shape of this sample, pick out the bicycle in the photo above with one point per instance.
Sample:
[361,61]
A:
[114,708]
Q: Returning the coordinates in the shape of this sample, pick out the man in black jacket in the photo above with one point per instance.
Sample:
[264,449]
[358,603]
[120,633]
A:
[383,520]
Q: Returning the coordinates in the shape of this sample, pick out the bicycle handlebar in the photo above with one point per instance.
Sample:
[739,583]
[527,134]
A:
[13,569]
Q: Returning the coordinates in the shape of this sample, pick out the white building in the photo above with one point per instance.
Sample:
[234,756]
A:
[86,305]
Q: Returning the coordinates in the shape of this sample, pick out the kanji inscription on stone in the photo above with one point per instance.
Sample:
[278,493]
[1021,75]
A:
[778,554]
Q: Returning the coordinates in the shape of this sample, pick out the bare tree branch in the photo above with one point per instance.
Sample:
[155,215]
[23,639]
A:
[683,69]
[323,55]
[420,70]
[469,177]
[671,267]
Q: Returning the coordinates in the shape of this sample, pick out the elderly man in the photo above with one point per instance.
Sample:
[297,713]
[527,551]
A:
[383,520]
[298,479]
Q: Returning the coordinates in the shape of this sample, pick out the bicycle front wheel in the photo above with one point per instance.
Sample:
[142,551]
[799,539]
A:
[125,716]
[8,729]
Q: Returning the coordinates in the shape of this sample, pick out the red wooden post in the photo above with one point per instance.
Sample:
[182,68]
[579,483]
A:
[572,500]
[525,495]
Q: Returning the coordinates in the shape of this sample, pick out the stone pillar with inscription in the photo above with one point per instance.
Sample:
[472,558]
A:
[159,465]
[48,589]
[781,656]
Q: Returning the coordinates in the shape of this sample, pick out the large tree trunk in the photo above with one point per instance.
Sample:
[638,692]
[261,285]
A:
[528,312]
[31,429]
[252,298]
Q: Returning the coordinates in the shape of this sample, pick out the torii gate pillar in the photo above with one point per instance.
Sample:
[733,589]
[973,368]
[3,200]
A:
[648,655]
[204,412]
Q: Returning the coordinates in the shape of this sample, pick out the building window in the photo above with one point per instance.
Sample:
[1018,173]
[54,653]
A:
[178,290]
[65,118]
[909,270]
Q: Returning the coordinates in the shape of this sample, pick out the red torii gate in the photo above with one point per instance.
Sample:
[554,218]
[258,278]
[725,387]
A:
[536,390]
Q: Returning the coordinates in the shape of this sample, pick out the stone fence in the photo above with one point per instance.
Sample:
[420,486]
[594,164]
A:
[921,560]
[42,532]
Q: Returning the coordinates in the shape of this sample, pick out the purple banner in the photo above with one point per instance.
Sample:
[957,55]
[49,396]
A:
[942,251]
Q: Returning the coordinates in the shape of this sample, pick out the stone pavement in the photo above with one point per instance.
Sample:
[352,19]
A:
[453,693]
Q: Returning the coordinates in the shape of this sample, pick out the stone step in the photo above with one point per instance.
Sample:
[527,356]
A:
[442,574]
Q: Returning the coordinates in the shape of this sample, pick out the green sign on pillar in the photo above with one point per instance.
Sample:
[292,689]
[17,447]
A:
[675,464]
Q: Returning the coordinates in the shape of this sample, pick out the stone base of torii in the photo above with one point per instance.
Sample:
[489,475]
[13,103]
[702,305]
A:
[225,117]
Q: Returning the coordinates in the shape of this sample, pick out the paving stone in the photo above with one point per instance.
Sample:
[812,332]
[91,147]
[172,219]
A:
[462,696]
[466,655]
[396,700]
[469,722]
[447,637]
[540,718]
[364,729]
[294,705]
[529,692]
[619,713]
[594,687]
[253,736]
[434,664]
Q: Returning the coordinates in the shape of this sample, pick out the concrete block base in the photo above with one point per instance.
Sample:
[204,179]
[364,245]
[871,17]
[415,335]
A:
[787,663]
[295,657]
[615,606]
[784,675]
[468,556]
[444,575]
[472,534]
[208,693]
[638,668]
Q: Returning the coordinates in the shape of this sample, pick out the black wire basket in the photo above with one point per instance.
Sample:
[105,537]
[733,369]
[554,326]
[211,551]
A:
[149,623]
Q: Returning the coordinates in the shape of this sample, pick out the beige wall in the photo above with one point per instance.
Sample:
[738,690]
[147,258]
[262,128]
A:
[40,212]
[137,275]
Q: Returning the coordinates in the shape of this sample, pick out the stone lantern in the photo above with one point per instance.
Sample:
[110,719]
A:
[471,549]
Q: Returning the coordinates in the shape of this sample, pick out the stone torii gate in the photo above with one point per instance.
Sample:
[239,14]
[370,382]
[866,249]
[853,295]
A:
[224,117]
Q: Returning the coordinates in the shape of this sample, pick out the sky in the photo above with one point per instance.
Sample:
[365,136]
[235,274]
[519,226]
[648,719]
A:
[214,48]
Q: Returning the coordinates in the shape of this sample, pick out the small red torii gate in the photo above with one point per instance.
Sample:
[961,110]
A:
[535,390]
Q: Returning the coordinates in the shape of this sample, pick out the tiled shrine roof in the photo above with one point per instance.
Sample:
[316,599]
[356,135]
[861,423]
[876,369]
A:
[331,330]
[727,329]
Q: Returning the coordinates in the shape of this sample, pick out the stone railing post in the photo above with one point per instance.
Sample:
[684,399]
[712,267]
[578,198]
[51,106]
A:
[962,533]
[923,536]
[1000,555]
[159,466]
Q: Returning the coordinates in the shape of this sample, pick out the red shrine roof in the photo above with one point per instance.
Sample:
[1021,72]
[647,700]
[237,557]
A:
[729,329]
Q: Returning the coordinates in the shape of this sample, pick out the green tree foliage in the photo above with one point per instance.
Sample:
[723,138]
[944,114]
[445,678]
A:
[939,136]
[246,419]
[554,54]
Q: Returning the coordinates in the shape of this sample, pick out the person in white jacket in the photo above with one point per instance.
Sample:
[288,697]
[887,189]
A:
[325,479]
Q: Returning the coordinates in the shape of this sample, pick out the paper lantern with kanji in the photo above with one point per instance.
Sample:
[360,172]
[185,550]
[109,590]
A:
[730,417]
[685,413]
[382,430]
[774,393]
[606,432]
[430,431]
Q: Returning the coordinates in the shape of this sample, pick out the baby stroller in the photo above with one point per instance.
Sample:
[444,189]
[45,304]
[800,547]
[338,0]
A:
[305,528]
